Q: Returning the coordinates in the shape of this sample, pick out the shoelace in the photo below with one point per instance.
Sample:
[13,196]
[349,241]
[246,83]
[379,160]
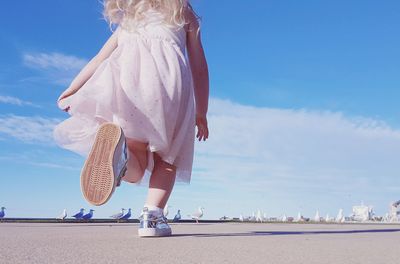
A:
[161,219]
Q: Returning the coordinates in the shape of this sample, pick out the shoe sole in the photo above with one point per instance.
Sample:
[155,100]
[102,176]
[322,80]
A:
[98,181]
[153,232]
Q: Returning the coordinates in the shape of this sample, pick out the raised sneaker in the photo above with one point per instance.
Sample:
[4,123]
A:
[105,165]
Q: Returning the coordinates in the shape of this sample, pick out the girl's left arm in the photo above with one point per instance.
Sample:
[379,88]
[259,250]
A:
[91,67]
[199,68]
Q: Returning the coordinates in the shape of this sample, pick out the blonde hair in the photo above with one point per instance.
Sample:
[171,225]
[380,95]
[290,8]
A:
[116,12]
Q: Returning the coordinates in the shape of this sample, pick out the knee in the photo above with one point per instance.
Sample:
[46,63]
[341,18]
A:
[159,162]
[133,175]
[131,180]
[135,146]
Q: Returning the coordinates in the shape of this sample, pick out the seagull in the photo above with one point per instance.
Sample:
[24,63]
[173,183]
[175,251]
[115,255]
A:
[2,213]
[88,215]
[127,215]
[241,218]
[317,217]
[166,211]
[253,217]
[259,216]
[328,218]
[340,217]
[80,214]
[299,217]
[265,217]
[63,215]
[119,215]
[284,218]
[196,216]
[177,216]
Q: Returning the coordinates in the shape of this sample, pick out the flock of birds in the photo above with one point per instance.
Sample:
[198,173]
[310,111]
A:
[262,217]
[255,217]
[125,216]
[258,216]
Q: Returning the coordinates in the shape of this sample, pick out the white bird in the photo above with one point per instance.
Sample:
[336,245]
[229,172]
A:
[2,212]
[284,218]
[128,214]
[177,216]
[386,218]
[197,215]
[63,215]
[265,217]
[317,217]
[328,218]
[166,211]
[259,216]
[119,215]
[80,214]
[299,217]
[252,217]
[241,218]
[88,215]
[340,217]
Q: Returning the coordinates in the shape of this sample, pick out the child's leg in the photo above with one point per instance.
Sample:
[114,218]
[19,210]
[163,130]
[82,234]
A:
[161,182]
[137,162]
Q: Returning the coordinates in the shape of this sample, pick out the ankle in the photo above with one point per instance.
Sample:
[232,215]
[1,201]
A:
[157,211]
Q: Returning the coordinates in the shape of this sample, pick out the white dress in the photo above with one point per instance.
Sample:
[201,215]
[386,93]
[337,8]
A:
[146,87]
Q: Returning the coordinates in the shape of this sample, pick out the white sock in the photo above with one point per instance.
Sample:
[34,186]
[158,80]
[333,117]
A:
[157,211]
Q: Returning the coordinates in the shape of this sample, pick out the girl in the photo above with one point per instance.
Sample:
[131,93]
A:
[134,107]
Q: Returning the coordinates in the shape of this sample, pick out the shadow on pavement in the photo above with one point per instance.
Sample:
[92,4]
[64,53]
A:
[285,233]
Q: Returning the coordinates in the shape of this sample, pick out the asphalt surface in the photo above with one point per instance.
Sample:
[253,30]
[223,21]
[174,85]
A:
[200,243]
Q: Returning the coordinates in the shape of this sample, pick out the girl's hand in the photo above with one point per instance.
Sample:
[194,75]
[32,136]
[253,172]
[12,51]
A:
[202,127]
[63,96]
[64,108]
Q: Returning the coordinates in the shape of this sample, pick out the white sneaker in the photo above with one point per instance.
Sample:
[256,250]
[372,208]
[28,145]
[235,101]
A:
[152,225]
[105,165]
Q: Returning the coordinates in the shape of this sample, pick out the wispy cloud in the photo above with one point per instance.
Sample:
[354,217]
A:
[297,158]
[307,156]
[53,60]
[15,101]
[29,129]
[54,166]
[55,67]
[31,159]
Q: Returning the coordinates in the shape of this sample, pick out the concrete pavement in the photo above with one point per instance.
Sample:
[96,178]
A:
[200,243]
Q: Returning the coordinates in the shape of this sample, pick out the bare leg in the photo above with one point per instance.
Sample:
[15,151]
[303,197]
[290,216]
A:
[137,162]
[161,182]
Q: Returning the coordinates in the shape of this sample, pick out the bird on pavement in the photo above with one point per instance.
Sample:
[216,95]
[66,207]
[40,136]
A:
[197,215]
[88,215]
[119,215]
[80,214]
[177,216]
[63,215]
[2,212]
[127,215]
[241,218]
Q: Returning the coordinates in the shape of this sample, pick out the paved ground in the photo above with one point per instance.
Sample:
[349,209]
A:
[200,243]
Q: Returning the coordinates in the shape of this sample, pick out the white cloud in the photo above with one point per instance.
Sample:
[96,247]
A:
[56,67]
[15,101]
[53,60]
[276,159]
[297,156]
[33,129]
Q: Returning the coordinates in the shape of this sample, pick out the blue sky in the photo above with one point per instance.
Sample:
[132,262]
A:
[304,112]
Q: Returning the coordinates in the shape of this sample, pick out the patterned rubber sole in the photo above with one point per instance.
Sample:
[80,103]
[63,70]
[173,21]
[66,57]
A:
[97,175]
